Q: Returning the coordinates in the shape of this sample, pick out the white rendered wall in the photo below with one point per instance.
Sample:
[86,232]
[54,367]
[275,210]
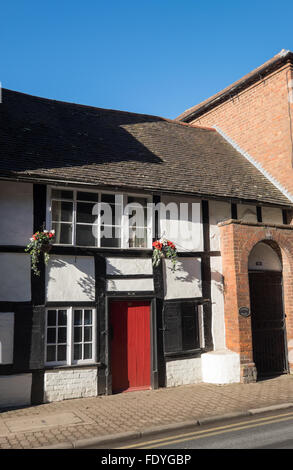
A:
[262,257]
[185,281]
[272,215]
[246,212]
[15,277]
[15,390]
[188,234]
[183,371]
[16,213]
[70,383]
[124,285]
[128,266]
[6,337]
[217,297]
[218,211]
[70,279]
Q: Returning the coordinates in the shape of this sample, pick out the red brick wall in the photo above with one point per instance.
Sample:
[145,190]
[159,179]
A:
[237,241]
[257,119]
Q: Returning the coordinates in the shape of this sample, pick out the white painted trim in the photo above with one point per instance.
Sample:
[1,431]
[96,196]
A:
[256,164]
[124,227]
[70,337]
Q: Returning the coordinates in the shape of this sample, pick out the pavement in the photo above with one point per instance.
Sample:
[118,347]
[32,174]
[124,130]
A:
[104,420]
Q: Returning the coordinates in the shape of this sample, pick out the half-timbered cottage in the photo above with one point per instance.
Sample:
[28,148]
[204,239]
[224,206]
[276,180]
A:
[100,318]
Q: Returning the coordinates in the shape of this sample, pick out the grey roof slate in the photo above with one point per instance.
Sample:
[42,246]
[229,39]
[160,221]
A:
[58,141]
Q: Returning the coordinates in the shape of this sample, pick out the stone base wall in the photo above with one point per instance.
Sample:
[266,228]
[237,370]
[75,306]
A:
[183,371]
[71,383]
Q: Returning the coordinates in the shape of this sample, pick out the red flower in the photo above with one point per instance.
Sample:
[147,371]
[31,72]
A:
[158,245]
[171,245]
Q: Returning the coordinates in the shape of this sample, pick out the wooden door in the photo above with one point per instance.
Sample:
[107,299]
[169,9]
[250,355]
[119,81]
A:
[268,323]
[130,345]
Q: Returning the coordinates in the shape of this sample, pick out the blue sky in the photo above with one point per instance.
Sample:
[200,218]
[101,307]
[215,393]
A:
[149,56]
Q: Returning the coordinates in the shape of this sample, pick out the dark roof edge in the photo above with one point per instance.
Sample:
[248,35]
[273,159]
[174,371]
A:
[282,58]
[110,110]
[40,179]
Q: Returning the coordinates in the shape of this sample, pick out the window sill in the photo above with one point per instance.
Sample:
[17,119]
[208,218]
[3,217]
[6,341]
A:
[184,354]
[72,366]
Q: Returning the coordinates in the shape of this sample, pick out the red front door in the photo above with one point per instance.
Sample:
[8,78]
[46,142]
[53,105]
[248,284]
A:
[130,345]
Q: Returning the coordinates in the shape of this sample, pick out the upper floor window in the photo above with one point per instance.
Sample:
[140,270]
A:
[101,219]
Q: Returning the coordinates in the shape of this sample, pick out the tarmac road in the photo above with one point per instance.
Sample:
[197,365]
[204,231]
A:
[266,431]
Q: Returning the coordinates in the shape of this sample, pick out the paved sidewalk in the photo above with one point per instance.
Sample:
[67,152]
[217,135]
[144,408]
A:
[73,423]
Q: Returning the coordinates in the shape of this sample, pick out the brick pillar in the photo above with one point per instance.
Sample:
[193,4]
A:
[237,240]
[236,295]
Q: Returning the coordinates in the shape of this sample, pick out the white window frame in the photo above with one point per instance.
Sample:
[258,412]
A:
[70,337]
[124,221]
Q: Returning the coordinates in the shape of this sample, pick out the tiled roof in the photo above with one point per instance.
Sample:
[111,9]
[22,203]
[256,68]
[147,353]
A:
[57,141]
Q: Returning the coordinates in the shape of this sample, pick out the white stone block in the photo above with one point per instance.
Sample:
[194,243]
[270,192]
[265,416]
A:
[67,384]
[220,367]
[183,372]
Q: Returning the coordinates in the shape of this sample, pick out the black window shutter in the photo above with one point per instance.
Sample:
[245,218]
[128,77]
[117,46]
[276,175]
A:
[190,333]
[181,329]
[172,328]
[37,338]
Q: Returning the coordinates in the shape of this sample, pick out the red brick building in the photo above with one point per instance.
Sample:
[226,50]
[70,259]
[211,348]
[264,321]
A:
[255,114]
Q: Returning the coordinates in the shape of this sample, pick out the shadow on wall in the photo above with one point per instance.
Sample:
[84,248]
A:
[85,280]
[186,273]
[218,279]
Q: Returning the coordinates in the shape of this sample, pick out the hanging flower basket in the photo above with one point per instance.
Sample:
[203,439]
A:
[40,243]
[164,248]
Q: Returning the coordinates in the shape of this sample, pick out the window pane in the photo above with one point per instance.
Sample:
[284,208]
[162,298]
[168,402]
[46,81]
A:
[61,194]
[83,196]
[77,351]
[84,213]
[77,334]
[109,198]
[84,235]
[62,211]
[62,317]
[63,233]
[88,317]
[138,238]
[51,317]
[51,335]
[137,217]
[61,353]
[87,351]
[51,353]
[111,238]
[87,333]
[78,317]
[62,335]
[140,200]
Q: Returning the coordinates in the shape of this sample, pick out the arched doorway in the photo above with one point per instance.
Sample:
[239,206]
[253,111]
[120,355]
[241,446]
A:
[267,312]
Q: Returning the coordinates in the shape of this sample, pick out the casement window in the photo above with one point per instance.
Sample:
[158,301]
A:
[70,335]
[181,328]
[76,219]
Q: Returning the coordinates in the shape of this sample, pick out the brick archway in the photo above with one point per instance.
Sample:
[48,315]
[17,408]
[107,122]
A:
[237,241]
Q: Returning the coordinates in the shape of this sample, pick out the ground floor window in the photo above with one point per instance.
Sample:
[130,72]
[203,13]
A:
[70,335]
